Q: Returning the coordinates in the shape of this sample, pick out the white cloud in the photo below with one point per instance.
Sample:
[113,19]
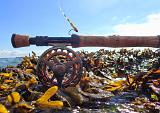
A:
[21,52]
[11,53]
[126,18]
[151,26]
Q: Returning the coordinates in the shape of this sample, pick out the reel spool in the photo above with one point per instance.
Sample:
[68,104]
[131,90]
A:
[59,66]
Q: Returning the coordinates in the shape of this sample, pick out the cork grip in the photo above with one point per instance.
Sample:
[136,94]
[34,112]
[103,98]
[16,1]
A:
[19,40]
[118,41]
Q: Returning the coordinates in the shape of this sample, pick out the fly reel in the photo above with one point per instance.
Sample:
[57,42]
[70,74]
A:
[59,66]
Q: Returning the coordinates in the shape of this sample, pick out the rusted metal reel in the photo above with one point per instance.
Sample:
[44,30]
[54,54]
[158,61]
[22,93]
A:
[59,66]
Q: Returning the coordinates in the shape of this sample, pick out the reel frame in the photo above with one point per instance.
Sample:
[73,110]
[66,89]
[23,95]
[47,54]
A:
[59,66]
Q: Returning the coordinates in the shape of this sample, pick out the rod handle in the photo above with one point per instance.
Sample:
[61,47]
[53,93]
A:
[116,41]
[19,40]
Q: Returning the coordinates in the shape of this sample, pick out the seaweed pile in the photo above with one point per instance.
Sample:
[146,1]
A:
[113,81]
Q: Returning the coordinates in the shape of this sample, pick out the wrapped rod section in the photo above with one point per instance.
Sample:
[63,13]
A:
[24,40]
[116,41]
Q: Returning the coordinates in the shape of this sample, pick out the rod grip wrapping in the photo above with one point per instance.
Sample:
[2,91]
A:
[19,40]
[117,41]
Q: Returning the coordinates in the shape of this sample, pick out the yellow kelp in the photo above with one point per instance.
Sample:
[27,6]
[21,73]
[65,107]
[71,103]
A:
[5,74]
[115,85]
[44,102]
[3,109]
[13,98]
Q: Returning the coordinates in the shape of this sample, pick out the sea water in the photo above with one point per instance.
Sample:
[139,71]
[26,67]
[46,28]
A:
[9,61]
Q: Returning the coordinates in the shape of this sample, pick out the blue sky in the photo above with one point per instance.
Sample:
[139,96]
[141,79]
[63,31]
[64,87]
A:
[92,17]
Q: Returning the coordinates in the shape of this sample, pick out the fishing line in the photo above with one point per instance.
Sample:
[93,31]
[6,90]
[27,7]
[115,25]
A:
[74,28]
